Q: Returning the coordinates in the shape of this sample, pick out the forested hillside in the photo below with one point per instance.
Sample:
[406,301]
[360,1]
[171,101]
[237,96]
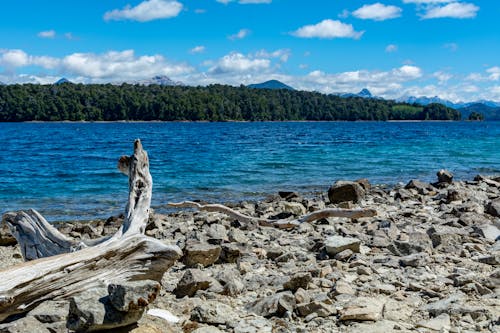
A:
[108,102]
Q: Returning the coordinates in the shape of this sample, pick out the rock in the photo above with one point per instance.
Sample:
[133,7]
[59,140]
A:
[444,176]
[440,323]
[337,244]
[6,238]
[420,187]
[231,283]
[217,234]
[274,305]
[417,242]
[343,287]
[24,325]
[298,280]
[237,236]
[213,313]
[133,295]
[363,308]
[365,184]
[92,310]
[201,254]
[414,260]
[343,191]
[295,208]
[230,253]
[488,231]
[321,308]
[493,208]
[302,296]
[51,312]
[192,281]
[207,329]
[444,305]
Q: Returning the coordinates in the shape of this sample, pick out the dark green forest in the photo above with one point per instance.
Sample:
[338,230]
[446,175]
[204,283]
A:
[106,102]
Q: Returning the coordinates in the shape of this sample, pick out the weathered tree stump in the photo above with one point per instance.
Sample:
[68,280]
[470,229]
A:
[58,267]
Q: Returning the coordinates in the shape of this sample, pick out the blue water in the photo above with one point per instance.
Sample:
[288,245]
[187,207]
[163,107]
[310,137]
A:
[68,170]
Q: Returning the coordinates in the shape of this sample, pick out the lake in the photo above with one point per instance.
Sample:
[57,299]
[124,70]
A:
[68,170]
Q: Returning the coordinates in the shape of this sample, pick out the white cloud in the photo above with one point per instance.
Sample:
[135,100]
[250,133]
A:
[451,46]
[237,62]
[442,77]
[377,12]
[391,48]
[459,10]
[47,34]
[147,10]
[70,36]
[240,34]
[11,59]
[494,73]
[197,49]
[246,2]
[328,29]
[428,1]
[281,54]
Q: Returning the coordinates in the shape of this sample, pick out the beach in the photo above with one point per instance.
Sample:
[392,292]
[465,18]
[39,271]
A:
[427,262]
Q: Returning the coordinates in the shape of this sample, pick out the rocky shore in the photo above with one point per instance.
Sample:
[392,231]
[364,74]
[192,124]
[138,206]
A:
[427,262]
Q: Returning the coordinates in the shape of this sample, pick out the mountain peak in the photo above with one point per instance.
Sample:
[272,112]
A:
[62,80]
[271,84]
[365,93]
[161,80]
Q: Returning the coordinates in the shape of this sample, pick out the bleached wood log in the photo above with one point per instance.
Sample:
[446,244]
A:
[58,273]
[282,223]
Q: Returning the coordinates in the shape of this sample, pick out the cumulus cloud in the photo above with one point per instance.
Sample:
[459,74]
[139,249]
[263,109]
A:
[240,34]
[418,2]
[442,77]
[460,10]
[246,2]
[237,62]
[494,73]
[451,46]
[197,49]
[91,67]
[328,29]
[147,10]
[47,34]
[391,48]
[377,12]
[281,54]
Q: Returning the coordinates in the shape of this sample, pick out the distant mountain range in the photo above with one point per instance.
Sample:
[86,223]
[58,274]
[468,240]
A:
[161,80]
[62,80]
[489,112]
[271,84]
[423,100]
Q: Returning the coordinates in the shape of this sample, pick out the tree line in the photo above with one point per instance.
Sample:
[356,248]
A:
[107,102]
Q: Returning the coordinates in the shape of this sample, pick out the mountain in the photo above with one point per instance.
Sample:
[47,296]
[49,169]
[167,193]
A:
[424,100]
[161,80]
[489,112]
[62,80]
[364,93]
[271,84]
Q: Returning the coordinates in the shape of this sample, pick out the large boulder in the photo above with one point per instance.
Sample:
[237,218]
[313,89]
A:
[343,191]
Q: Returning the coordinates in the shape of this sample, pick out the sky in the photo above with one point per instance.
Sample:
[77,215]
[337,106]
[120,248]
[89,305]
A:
[395,48]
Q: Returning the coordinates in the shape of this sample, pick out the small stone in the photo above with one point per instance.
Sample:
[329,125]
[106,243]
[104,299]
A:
[344,255]
[362,309]
[337,244]
[237,236]
[342,287]
[440,323]
[322,309]
[343,191]
[298,280]
[274,305]
[493,208]
[192,281]
[230,253]
[301,296]
[295,208]
[211,312]
[444,176]
[217,234]
[201,254]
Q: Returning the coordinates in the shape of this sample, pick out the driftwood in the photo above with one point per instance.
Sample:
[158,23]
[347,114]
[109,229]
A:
[58,267]
[282,223]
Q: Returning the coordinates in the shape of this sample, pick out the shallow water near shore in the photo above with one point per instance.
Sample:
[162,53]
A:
[68,171]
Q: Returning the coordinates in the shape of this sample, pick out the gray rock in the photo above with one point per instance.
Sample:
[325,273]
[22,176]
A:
[237,236]
[414,260]
[201,254]
[444,176]
[493,208]
[51,311]
[440,323]
[212,312]
[24,325]
[343,191]
[321,308]
[133,295]
[274,305]
[337,244]
[231,282]
[420,187]
[344,255]
[217,234]
[92,311]
[192,281]
[230,253]
[488,231]
[6,238]
[418,242]
[298,280]
[362,309]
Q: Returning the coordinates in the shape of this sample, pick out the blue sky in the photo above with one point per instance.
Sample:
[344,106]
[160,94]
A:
[447,48]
